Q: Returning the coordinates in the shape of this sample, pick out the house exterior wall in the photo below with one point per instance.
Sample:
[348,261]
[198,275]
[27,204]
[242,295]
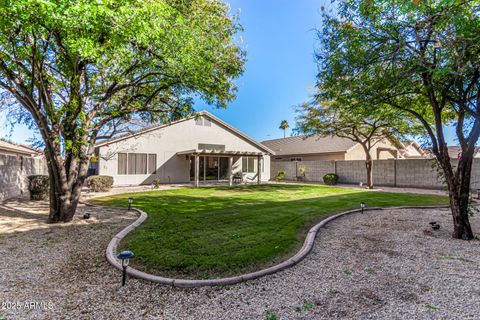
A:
[14,172]
[357,152]
[166,142]
[311,157]
[412,152]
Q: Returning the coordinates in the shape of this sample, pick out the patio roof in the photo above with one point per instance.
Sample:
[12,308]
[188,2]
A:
[204,152]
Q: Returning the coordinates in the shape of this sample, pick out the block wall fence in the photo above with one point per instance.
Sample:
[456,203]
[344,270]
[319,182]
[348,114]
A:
[14,172]
[414,173]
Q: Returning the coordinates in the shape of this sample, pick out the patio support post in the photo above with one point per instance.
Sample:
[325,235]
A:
[230,171]
[259,169]
[197,170]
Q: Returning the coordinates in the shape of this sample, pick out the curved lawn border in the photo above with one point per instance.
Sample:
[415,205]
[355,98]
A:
[302,253]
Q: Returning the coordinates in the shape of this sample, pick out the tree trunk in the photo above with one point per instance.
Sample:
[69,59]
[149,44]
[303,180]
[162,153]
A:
[65,189]
[366,145]
[459,194]
[369,166]
[63,203]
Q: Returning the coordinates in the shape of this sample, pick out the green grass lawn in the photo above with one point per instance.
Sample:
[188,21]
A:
[222,231]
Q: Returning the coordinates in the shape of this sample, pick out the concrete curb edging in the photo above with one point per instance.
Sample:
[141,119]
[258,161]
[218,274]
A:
[300,255]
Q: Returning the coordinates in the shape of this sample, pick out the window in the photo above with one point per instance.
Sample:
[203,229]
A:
[200,121]
[152,163]
[131,163]
[140,163]
[249,164]
[137,163]
[122,163]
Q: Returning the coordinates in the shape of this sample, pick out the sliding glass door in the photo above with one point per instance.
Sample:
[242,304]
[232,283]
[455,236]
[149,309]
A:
[211,168]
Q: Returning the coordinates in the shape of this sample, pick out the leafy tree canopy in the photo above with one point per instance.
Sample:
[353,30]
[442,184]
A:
[86,63]
[419,57]
[352,122]
[79,69]
[416,56]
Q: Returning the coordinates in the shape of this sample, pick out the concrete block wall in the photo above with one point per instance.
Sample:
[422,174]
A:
[14,172]
[352,171]
[314,170]
[384,172]
[417,173]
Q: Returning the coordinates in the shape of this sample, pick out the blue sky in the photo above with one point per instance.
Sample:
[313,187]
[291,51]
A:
[280,39]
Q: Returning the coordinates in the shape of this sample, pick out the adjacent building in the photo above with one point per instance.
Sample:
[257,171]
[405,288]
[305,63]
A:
[316,147]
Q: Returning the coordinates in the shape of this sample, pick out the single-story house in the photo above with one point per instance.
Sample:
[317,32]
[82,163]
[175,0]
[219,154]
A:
[17,150]
[196,149]
[316,147]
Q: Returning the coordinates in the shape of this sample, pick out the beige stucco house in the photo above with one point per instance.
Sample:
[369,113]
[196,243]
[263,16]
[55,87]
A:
[197,149]
[315,147]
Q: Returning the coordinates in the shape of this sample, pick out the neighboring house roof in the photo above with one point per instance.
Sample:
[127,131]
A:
[310,145]
[453,151]
[201,113]
[9,147]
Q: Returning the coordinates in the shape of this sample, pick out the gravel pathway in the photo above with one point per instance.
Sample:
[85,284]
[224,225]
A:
[383,264]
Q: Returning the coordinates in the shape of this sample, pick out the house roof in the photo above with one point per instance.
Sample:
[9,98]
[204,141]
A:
[309,145]
[456,151]
[453,151]
[17,148]
[201,113]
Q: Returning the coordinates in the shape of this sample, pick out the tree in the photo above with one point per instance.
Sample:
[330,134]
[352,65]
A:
[419,57]
[365,128]
[79,70]
[284,126]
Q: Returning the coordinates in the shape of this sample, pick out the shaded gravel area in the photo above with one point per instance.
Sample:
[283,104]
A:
[382,264]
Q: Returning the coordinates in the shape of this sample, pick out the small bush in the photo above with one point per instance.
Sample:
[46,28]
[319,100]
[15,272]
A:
[330,178]
[156,183]
[280,175]
[100,183]
[301,173]
[39,187]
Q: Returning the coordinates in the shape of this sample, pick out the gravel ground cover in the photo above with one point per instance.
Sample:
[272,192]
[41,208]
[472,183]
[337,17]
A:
[382,264]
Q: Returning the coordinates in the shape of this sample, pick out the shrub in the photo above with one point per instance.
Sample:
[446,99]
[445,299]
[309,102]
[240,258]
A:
[302,170]
[330,178]
[301,173]
[156,183]
[39,187]
[100,183]
[280,175]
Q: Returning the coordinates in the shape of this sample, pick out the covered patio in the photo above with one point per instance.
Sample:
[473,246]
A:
[218,165]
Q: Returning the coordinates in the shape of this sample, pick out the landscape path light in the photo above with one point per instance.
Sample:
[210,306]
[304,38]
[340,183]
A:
[125,257]
[363,205]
